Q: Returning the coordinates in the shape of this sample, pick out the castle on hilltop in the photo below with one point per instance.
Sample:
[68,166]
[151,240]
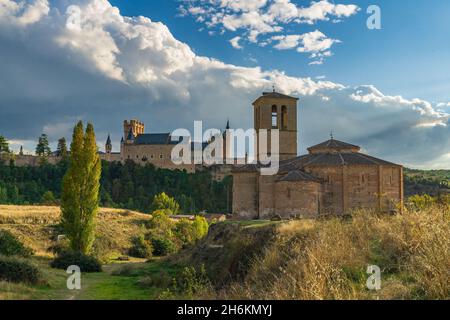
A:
[143,148]
[156,149]
[147,148]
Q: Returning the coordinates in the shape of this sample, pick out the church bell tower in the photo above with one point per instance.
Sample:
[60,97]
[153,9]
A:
[275,110]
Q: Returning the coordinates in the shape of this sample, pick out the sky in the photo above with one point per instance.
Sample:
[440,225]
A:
[170,62]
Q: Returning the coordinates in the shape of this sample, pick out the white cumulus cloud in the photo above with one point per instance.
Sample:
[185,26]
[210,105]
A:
[258,20]
[316,43]
[235,42]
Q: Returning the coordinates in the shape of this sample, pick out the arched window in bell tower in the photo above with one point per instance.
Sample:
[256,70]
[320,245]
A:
[274,117]
[283,118]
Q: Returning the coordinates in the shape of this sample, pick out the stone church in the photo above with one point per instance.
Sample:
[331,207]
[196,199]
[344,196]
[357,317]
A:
[333,178]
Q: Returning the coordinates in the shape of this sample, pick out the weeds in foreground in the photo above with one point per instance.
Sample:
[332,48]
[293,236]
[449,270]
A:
[328,259]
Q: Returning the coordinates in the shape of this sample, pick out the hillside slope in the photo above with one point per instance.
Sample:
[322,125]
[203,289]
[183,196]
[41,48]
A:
[294,260]
[37,227]
[328,259]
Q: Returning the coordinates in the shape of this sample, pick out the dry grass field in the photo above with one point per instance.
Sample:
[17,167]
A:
[35,226]
[316,260]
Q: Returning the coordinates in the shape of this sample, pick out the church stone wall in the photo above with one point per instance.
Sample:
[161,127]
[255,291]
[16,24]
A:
[297,199]
[362,187]
[392,187]
[351,187]
[245,195]
[267,197]
[332,200]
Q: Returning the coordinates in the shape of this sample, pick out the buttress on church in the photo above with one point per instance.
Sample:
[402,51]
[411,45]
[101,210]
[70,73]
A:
[333,178]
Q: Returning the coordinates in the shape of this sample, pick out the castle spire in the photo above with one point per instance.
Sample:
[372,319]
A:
[108,145]
[228,125]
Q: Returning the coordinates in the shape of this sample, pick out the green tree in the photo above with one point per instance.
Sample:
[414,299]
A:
[80,190]
[184,232]
[61,150]
[43,148]
[164,202]
[3,195]
[200,228]
[4,145]
[48,198]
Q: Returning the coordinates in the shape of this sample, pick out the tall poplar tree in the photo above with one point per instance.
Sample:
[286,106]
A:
[80,190]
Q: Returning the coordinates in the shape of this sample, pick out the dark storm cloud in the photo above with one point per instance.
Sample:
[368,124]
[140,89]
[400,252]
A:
[115,68]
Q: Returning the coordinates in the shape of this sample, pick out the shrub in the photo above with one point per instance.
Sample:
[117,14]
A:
[162,246]
[200,228]
[161,224]
[418,202]
[11,246]
[193,282]
[16,270]
[73,258]
[48,198]
[103,248]
[162,202]
[190,232]
[184,231]
[141,248]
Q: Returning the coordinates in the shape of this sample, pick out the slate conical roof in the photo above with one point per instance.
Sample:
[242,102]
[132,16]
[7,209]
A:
[298,175]
[328,153]
[334,144]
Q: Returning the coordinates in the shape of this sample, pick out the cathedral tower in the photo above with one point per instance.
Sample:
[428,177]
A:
[274,110]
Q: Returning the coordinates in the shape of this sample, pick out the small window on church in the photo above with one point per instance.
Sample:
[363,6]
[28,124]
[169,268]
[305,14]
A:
[362,179]
[161,156]
[274,117]
[257,119]
[283,117]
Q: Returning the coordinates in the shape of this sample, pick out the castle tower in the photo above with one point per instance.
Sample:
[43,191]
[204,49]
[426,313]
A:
[274,110]
[135,127]
[227,143]
[108,145]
